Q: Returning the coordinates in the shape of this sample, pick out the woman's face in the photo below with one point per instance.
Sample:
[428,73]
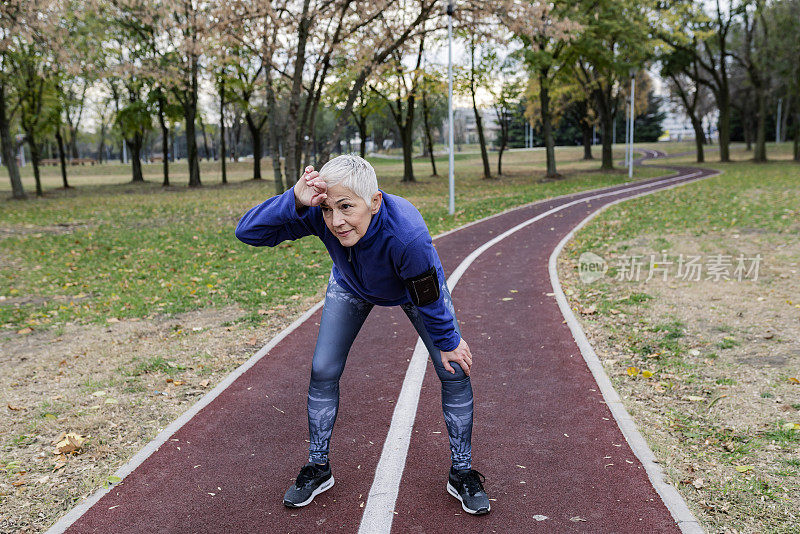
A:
[346,214]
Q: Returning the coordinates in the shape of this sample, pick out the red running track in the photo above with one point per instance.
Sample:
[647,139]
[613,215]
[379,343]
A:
[537,406]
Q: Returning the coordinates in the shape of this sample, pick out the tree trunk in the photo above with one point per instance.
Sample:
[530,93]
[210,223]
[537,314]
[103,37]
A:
[747,128]
[205,138]
[500,159]
[190,110]
[8,147]
[135,147]
[191,143]
[428,137]
[586,133]
[797,135]
[606,124]
[164,140]
[255,134]
[407,135]
[787,111]
[35,163]
[290,156]
[361,123]
[62,159]
[724,103]
[699,138]
[487,173]
[547,127]
[760,155]
[222,152]
[101,143]
[73,142]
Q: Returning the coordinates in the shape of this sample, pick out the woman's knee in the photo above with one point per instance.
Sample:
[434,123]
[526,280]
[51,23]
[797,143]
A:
[321,373]
[446,376]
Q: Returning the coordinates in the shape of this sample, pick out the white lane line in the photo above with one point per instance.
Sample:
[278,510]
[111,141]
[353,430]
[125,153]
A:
[379,509]
[669,495]
[73,515]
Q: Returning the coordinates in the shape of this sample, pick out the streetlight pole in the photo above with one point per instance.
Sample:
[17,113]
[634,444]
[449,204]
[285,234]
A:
[450,168]
[633,87]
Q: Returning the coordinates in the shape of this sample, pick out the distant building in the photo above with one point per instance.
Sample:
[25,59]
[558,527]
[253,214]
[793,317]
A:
[678,127]
[465,129]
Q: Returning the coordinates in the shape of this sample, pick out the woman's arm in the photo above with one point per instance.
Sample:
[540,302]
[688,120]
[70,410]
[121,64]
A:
[418,267]
[286,216]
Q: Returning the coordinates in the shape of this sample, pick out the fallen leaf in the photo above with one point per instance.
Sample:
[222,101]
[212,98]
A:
[204,383]
[99,393]
[507,298]
[744,468]
[588,311]
[252,341]
[15,408]
[112,320]
[25,331]
[18,482]
[263,312]
[647,374]
[791,426]
[71,443]
[793,380]
[698,483]
[540,517]
[633,371]
[576,518]
[694,352]
[694,398]
[179,382]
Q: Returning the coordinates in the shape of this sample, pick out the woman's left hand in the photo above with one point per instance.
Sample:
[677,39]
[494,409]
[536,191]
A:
[460,355]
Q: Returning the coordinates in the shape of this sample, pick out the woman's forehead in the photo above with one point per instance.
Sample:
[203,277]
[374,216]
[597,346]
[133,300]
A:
[339,192]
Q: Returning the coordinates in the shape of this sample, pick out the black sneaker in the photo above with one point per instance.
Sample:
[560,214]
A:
[312,480]
[466,485]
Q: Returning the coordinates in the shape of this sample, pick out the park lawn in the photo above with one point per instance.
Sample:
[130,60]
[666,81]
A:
[111,252]
[721,409]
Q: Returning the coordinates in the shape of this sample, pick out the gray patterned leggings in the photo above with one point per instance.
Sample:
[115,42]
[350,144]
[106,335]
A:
[342,317]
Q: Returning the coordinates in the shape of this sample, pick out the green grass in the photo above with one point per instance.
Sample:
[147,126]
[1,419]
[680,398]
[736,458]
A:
[764,196]
[138,250]
[745,196]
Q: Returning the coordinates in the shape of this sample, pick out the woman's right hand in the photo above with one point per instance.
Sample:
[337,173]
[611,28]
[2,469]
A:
[310,189]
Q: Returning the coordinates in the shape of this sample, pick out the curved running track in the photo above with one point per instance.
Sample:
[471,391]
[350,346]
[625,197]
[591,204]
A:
[544,436]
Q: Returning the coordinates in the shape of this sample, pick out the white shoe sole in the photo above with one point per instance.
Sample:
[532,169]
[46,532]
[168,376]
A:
[452,491]
[325,486]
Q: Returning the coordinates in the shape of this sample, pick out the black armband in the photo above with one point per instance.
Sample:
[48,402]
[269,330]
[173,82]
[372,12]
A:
[424,289]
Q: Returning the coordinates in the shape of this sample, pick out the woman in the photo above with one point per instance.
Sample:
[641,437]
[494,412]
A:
[382,254]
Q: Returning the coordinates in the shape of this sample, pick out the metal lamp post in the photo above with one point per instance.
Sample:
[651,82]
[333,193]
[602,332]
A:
[630,129]
[450,9]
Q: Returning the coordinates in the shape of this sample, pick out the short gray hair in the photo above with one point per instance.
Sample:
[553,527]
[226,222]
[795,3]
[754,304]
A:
[354,172]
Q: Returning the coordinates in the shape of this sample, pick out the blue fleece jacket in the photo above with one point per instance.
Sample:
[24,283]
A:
[396,246]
